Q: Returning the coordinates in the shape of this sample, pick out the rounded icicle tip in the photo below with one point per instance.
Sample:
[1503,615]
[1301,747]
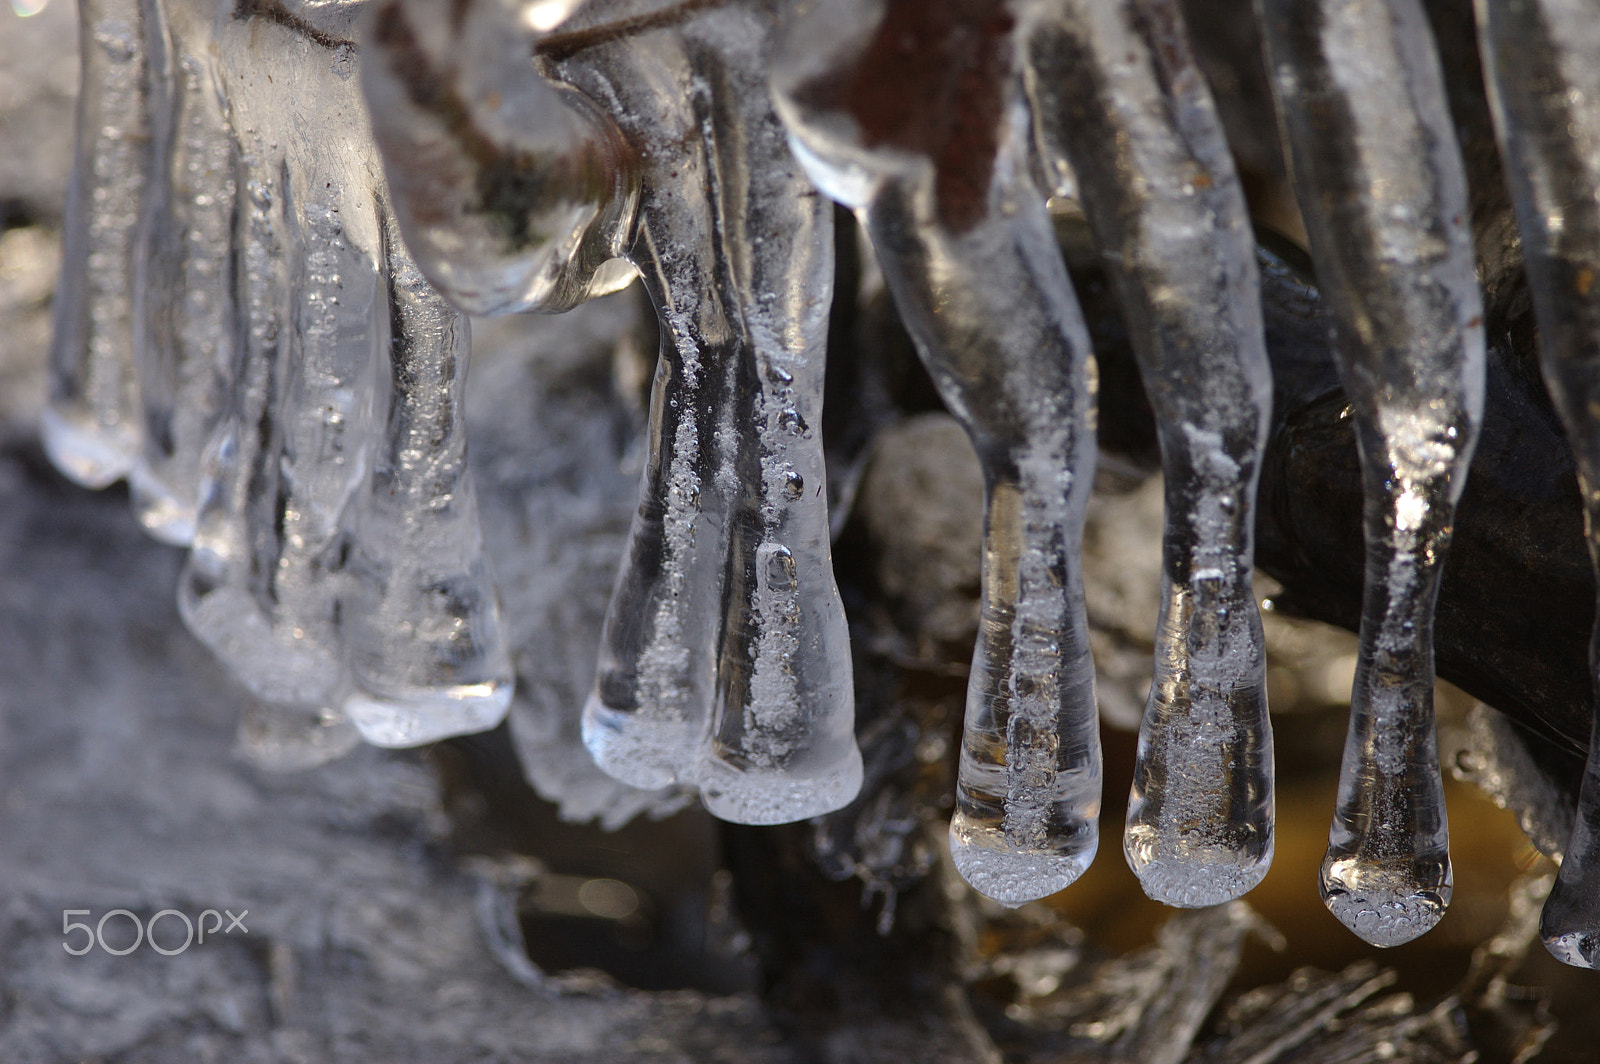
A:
[1581,949]
[1201,879]
[641,752]
[1568,926]
[403,719]
[92,456]
[763,798]
[1015,877]
[1386,906]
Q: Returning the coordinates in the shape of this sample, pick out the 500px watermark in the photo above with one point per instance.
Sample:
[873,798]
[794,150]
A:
[144,931]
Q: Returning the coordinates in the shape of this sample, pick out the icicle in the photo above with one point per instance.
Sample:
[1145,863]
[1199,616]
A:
[262,582]
[186,325]
[1166,208]
[783,744]
[725,598]
[648,717]
[650,709]
[725,659]
[1379,180]
[1540,58]
[968,253]
[421,623]
[541,243]
[91,427]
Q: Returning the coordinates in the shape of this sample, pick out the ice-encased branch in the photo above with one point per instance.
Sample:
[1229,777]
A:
[514,191]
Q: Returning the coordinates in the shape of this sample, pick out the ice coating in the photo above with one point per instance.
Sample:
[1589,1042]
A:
[513,190]
[968,253]
[1379,180]
[91,426]
[1168,213]
[337,560]
[1544,88]
[185,326]
[427,655]
[643,131]
[262,584]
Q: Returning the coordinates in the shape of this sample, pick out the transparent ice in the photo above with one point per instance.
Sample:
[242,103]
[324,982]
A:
[967,251]
[647,134]
[244,335]
[185,323]
[263,581]
[1169,216]
[1379,180]
[1544,84]
[262,584]
[91,426]
[421,625]
[238,315]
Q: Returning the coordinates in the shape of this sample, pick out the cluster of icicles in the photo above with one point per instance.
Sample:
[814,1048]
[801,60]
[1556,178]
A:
[245,336]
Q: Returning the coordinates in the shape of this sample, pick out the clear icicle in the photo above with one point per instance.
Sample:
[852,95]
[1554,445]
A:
[1167,210]
[262,583]
[1540,58]
[725,658]
[421,622]
[647,720]
[91,426]
[650,709]
[186,324]
[783,743]
[674,148]
[1379,180]
[967,250]
[649,712]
